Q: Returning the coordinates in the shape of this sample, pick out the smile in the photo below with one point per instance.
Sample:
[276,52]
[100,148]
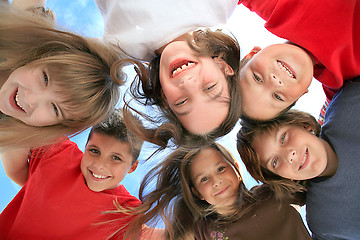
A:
[17,102]
[180,67]
[286,68]
[305,160]
[98,176]
[222,191]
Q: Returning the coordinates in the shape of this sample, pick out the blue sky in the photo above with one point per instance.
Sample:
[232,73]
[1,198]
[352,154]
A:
[83,17]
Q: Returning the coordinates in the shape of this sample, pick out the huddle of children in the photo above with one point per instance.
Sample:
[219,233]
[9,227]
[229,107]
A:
[55,84]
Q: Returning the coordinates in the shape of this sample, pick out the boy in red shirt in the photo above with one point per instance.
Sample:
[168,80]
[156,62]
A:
[67,191]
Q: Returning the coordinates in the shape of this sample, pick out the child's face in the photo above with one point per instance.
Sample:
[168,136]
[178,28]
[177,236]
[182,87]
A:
[195,88]
[106,161]
[30,96]
[214,179]
[291,152]
[273,79]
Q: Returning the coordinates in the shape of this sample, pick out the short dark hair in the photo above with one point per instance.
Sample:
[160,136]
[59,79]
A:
[114,126]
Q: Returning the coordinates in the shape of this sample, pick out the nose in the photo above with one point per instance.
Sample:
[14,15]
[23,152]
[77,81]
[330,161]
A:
[291,155]
[276,80]
[189,83]
[100,163]
[217,182]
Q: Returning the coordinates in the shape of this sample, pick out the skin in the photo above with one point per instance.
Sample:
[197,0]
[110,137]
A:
[199,93]
[30,96]
[295,153]
[266,87]
[214,179]
[105,162]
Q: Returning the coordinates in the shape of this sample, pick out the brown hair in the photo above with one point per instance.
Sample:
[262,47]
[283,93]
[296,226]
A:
[283,188]
[148,92]
[87,74]
[173,200]
[114,126]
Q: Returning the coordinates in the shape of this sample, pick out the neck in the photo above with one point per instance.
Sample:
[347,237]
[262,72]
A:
[180,38]
[332,161]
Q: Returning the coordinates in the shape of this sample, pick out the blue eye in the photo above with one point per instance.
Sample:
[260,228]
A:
[274,163]
[276,96]
[282,138]
[204,179]
[257,78]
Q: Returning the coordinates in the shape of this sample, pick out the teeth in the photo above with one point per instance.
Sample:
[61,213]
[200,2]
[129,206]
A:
[17,101]
[98,176]
[182,67]
[304,159]
[286,69]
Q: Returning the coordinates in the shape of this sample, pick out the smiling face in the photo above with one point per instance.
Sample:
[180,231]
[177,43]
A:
[106,161]
[30,96]
[292,152]
[273,79]
[214,179]
[195,88]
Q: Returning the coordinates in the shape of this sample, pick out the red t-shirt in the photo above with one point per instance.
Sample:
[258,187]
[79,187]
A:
[55,202]
[330,30]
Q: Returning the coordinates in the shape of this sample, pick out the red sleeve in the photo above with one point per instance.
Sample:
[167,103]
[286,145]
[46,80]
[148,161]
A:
[263,8]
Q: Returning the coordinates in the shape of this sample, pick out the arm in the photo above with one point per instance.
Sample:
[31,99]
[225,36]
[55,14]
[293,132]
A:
[37,7]
[16,166]
[152,233]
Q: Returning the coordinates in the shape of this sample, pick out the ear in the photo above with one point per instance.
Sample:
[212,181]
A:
[225,68]
[254,51]
[306,91]
[195,191]
[308,128]
[134,166]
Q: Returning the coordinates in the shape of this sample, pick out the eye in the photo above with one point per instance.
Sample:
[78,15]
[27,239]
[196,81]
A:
[257,78]
[209,88]
[181,102]
[46,79]
[220,169]
[94,151]
[282,138]
[56,110]
[204,179]
[274,163]
[116,158]
[277,97]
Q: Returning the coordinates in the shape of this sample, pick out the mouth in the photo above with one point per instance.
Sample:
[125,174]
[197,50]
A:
[222,191]
[17,102]
[179,67]
[305,160]
[287,69]
[98,176]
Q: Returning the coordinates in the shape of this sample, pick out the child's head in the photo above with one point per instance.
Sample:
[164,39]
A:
[52,78]
[193,82]
[286,147]
[110,153]
[273,79]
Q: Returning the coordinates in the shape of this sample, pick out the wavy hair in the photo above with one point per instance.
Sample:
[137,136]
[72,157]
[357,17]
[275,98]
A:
[86,73]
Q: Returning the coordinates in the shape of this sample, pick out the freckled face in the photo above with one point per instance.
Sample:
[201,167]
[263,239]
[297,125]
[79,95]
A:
[291,152]
[194,87]
[30,96]
[105,162]
[274,79]
[214,178]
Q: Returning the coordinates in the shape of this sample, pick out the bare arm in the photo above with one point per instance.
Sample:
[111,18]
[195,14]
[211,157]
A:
[153,233]
[16,166]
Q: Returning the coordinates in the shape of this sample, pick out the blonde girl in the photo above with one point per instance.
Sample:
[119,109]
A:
[53,83]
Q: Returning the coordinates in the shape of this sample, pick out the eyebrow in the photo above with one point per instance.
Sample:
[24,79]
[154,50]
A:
[201,173]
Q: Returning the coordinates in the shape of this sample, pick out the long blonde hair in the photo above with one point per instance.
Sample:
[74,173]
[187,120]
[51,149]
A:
[87,74]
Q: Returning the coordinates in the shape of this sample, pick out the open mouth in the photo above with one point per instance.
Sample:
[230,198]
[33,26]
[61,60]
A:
[17,102]
[180,67]
[305,160]
[286,69]
[98,176]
